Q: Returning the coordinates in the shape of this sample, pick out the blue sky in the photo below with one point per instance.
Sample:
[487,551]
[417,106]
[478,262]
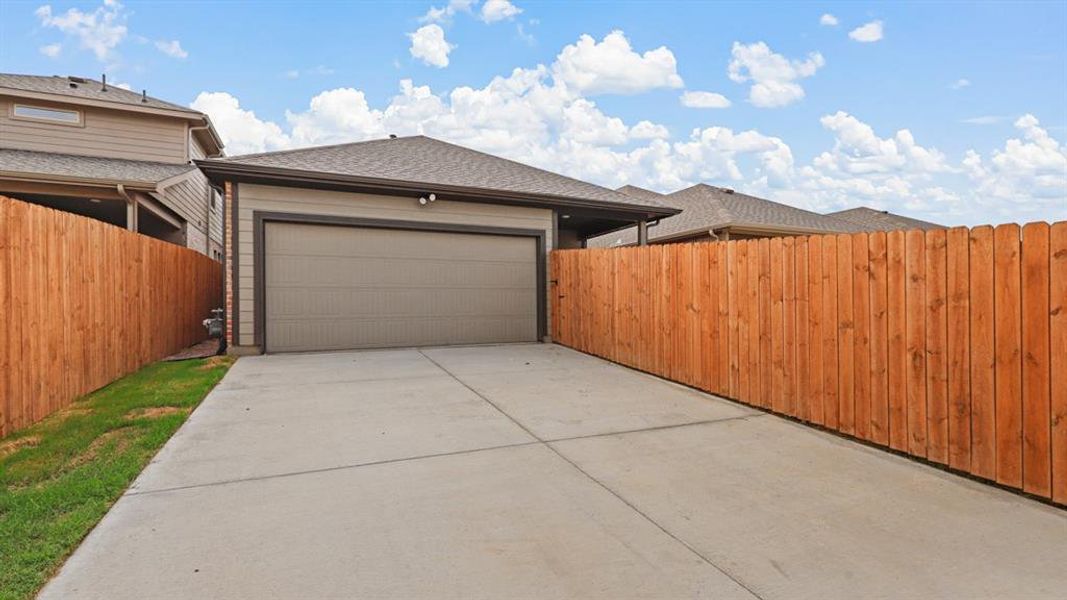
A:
[955,112]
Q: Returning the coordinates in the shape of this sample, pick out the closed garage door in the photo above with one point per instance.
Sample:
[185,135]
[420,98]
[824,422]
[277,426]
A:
[332,287]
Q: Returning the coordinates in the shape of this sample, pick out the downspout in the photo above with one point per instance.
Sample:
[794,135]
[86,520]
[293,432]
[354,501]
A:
[222,194]
[131,208]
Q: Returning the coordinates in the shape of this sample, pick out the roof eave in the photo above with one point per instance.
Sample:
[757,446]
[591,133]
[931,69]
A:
[29,176]
[63,98]
[220,171]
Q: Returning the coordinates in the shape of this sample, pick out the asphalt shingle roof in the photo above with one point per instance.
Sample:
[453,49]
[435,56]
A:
[88,167]
[707,207]
[880,220]
[424,160]
[84,87]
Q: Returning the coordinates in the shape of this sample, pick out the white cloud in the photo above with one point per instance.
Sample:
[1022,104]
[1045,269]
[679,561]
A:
[984,120]
[697,99]
[612,67]
[828,20]
[871,32]
[498,10]
[1025,175]
[647,130]
[124,86]
[534,116]
[172,48]
[242,131]
[51,50]
[428,44]
[445,13]
[99,31]
[959,84]
[773,76]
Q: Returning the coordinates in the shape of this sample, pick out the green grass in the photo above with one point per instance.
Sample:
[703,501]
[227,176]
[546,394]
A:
[59,477]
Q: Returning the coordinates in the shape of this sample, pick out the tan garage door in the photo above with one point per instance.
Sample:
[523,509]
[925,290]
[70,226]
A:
[332,287]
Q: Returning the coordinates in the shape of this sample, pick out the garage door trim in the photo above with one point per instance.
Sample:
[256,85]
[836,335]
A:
[261,218]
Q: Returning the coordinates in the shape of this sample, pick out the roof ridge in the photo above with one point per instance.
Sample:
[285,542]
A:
[322,147]
[521,164]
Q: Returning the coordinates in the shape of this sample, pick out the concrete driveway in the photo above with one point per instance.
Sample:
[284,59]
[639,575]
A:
[532,471]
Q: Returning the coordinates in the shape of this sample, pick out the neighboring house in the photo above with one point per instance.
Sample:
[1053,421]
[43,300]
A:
[882,220]
[399,242]
[714,213]
[85,147]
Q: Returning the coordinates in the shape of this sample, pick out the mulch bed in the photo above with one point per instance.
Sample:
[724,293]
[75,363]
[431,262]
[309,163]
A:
[204,349]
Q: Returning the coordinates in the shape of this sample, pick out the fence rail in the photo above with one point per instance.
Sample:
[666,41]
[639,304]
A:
[949,345]
[84,303]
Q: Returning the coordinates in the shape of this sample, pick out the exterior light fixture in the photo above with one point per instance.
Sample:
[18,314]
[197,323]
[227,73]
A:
[565,216]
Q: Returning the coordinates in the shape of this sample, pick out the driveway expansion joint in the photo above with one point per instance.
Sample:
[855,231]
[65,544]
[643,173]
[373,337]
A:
[602,485]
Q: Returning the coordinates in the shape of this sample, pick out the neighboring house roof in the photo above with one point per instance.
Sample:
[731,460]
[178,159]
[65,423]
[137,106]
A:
[705,207]
[422,163]
[49,166]
[881,220]
[84,90]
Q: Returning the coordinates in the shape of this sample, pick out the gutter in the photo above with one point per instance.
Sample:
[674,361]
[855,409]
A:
[208,127]
[146,186]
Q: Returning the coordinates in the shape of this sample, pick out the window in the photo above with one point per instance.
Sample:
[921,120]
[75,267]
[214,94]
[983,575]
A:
[68,117]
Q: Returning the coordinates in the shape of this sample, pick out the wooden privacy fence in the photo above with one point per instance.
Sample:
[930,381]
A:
[84,303]
[949,345]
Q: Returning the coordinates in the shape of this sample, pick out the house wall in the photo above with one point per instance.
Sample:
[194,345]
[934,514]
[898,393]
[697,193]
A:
[252,198]
[103,132]
[132,136]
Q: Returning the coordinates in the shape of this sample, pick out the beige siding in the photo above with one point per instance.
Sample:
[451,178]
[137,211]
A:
[107,133]
[320,202]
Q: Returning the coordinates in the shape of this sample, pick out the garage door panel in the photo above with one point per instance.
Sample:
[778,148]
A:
[365,272]
[346,287]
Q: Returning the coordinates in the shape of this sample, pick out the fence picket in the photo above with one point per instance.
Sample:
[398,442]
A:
[942,344]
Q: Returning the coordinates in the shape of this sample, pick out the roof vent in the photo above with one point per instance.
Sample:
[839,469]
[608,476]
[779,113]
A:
[74,79]
[392,136]
[103,81]
[727,190]
[144,96]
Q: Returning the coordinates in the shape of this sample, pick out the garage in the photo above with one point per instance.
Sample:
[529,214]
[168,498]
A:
[332,287]
[398,242]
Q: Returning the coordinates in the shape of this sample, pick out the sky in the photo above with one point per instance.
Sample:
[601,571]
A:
[954,112]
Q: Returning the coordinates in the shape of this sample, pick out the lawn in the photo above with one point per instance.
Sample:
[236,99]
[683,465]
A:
[59,477]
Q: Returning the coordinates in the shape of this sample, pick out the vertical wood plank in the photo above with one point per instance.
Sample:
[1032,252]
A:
[815,317]
[803,329]
[937,345]
[722,357]
[766,371]
[958,342]
[789,317]
[846,347]
[732,268]
[915,339]
[830,370]
[1058,357]
[1007,339]
[897,362]
[752,302]
[879,335]
[861,319]
[1036,396]
[746,324]
[777,345]
[983,359]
